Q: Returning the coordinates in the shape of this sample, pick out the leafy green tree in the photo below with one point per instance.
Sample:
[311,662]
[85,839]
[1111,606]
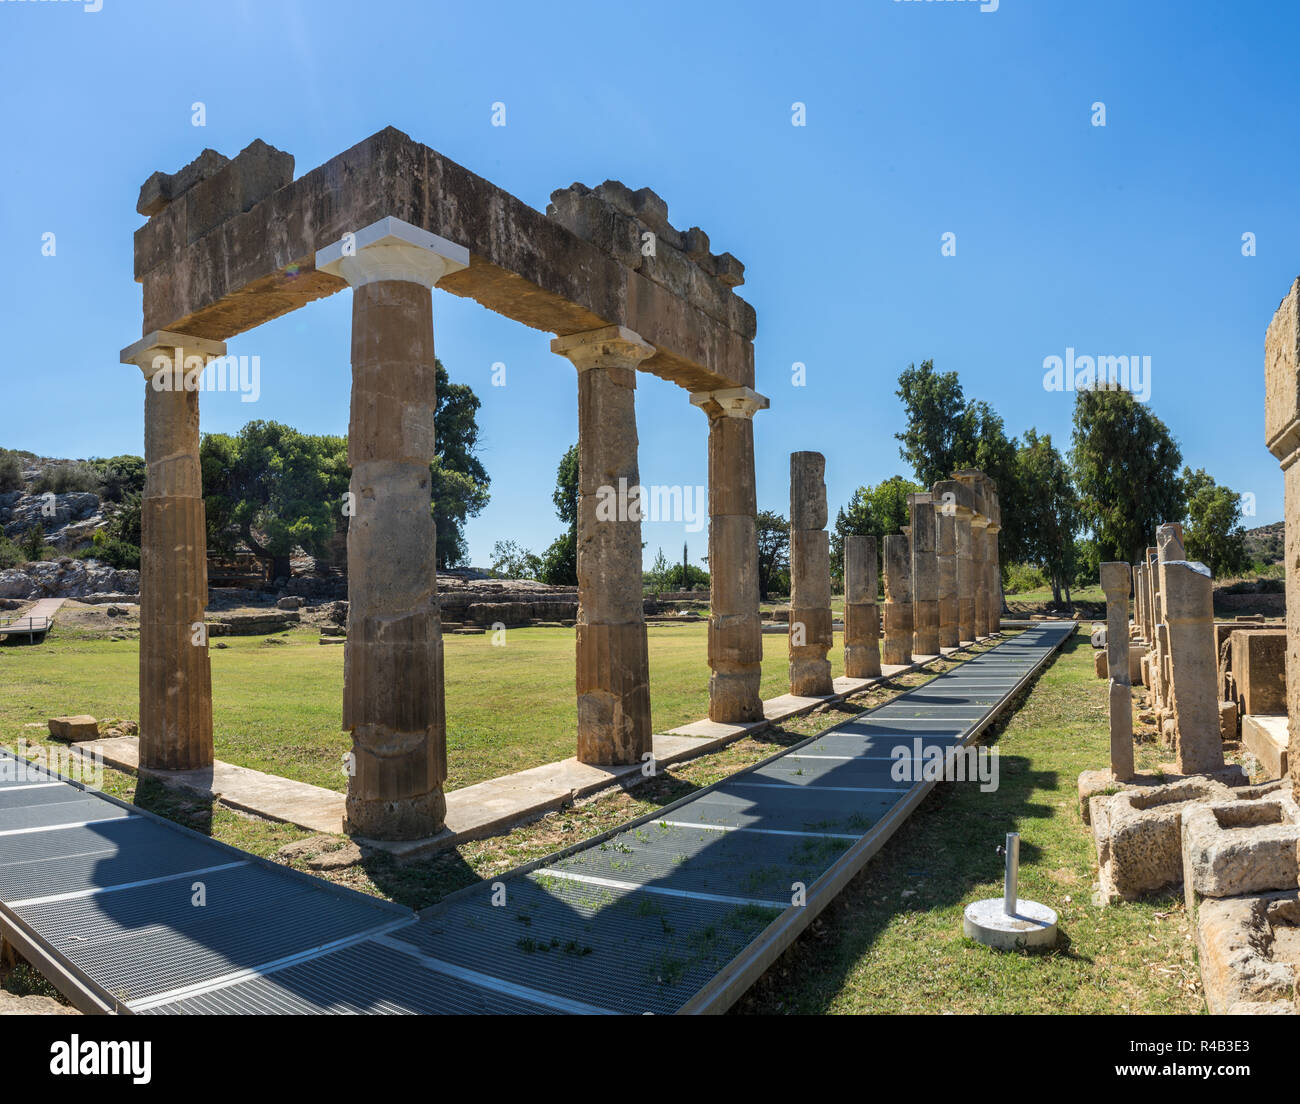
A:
[873,512]
[119,476]
[1212,530]
[773,550]
[1050,511]
[1125,464]
[560,560]
[273,489]
[946,433]
[460,483]
[657,577]
[511,561]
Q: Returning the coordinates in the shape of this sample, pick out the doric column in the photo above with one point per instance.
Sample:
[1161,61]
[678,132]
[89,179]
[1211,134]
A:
[735,628]
[946,553]
[954,503]
[992,563]
[175,675]
[1115,581]
[811,634]
[898,600]
[393,663]
[925,576]
[861,618]
[1189,616]
[612,656]
[1139,600]
[980,568]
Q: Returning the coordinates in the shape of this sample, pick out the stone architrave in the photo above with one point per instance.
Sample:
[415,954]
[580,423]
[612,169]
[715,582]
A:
[1116,579]
[810,633]
[175,672]
[898,601]
[393,702]
[1282,436]
[925,575]
[613,660]
[861,617]
[1193,658]
[735,627]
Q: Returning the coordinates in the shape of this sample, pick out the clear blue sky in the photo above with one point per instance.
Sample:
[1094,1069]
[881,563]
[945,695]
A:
[922,118]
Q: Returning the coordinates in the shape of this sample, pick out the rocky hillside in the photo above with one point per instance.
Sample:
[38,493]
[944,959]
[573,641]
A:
[1266,544]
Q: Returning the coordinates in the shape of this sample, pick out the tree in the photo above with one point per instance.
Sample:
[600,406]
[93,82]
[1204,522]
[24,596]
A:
[511,561]
[873,512]
[1125,465]
[773,550]
[274,489]
[657,576]
[1212,530]
[934,406]
[119,476]
[560,560]
[460,483]
[1050,511]
[947,433]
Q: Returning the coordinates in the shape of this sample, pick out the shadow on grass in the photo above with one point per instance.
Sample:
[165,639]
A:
[936,859]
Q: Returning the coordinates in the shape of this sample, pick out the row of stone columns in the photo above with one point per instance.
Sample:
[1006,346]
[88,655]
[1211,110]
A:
[393,703]
[942,576]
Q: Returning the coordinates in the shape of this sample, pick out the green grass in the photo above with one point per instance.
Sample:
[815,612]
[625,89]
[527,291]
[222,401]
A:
[892,941]
[1091,593]
[276,701]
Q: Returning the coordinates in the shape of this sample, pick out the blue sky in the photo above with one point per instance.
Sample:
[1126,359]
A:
[922,119]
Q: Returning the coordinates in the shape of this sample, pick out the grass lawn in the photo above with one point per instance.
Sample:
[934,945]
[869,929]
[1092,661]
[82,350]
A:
[892,941]
[276,701]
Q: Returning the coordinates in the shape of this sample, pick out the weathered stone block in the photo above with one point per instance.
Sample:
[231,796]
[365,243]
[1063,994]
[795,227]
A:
[74,728]
[1259,669]
[1267,739]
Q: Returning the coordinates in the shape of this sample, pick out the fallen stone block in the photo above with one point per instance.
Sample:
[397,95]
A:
[73,729]
[1227,720]
[1246,844]
[1100,666]
[1259,669]
[1267,739]
[1138,834]
[1248,948]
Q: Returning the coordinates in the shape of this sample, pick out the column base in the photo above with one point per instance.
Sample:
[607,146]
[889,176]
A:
[613,694]
[811,678]
[405,819]
[735,696]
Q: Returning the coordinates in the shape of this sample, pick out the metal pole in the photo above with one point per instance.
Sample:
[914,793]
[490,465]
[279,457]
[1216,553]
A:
[1013,874]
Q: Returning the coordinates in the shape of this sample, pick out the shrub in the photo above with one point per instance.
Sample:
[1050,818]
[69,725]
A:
[11,472]
[1019,578]
[115,551]
[62,478]
[10,554]
[33,544]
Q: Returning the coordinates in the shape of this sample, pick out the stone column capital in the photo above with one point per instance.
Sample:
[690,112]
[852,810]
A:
[607,347]
[730,402]
[993,527]
[1115,578]
[174,348]
[979,521]
[391,249]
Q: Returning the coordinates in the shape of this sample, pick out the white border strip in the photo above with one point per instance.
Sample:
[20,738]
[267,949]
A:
[62,827]
[759,831]
[495,984]
[796,788]
[96,890]
[613,883]
[224,981]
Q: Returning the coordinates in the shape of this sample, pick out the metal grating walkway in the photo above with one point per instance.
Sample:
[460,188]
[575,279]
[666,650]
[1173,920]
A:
[677,912]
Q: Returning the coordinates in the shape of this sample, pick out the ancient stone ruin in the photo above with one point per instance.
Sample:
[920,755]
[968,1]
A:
[231,244]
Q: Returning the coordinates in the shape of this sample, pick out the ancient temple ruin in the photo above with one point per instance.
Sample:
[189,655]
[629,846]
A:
[231,244]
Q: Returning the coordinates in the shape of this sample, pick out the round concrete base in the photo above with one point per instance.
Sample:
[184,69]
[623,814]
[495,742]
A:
[1034,925]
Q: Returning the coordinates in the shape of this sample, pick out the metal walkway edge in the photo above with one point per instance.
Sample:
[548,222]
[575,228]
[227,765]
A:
[679,911]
